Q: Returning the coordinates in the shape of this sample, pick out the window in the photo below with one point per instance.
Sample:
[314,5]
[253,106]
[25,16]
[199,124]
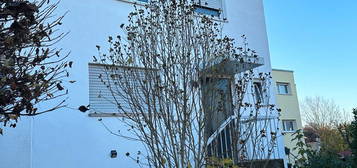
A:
[283,88]
[289,125]
[258,92]
[217,102]
[209,7]
[109,87]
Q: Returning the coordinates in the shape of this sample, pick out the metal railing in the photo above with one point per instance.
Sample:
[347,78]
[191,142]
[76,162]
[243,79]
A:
[245,139]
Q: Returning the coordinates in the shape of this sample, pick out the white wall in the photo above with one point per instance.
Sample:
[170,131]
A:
[68,138]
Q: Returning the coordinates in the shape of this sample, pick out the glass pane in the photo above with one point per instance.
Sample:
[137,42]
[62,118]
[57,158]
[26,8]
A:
[224,148]
[258,92]
[207,11]
[289,125]
[228,138]
[219,148]
[283,88]
[284,127]
[279,89]
[217,103]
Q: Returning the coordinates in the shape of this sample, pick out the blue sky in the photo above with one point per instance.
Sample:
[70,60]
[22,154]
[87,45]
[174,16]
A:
[317,39]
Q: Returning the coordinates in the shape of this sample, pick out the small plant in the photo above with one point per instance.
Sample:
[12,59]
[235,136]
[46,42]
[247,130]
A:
[304,151]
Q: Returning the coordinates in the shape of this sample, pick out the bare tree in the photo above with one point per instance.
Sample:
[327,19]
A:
[328,121]
[322,112]
[186,91]
[31,69]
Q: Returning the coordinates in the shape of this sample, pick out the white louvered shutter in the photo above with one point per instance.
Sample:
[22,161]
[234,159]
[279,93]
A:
[100,98]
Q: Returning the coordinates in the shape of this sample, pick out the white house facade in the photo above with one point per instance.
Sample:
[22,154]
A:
[68,138]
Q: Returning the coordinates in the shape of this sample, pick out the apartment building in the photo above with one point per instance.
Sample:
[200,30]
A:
[287,100]
[70,139]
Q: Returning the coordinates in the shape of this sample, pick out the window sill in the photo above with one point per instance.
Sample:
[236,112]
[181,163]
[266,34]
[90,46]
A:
[289,94]
[108,115]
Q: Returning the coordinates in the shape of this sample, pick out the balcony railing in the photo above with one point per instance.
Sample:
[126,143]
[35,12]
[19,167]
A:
[245,140]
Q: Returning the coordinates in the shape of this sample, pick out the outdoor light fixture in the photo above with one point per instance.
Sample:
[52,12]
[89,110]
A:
[113,153]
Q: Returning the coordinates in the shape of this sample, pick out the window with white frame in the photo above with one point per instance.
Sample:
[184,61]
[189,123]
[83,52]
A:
[212,8]
[258,92]
[283,88]
[289,125]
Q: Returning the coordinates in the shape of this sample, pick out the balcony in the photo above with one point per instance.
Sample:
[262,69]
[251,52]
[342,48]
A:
[239,139]
[229,66]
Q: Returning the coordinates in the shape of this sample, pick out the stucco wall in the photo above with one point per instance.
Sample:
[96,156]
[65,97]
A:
[289,105]
[68,138]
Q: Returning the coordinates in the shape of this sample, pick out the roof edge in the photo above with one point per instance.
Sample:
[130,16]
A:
[284,70]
